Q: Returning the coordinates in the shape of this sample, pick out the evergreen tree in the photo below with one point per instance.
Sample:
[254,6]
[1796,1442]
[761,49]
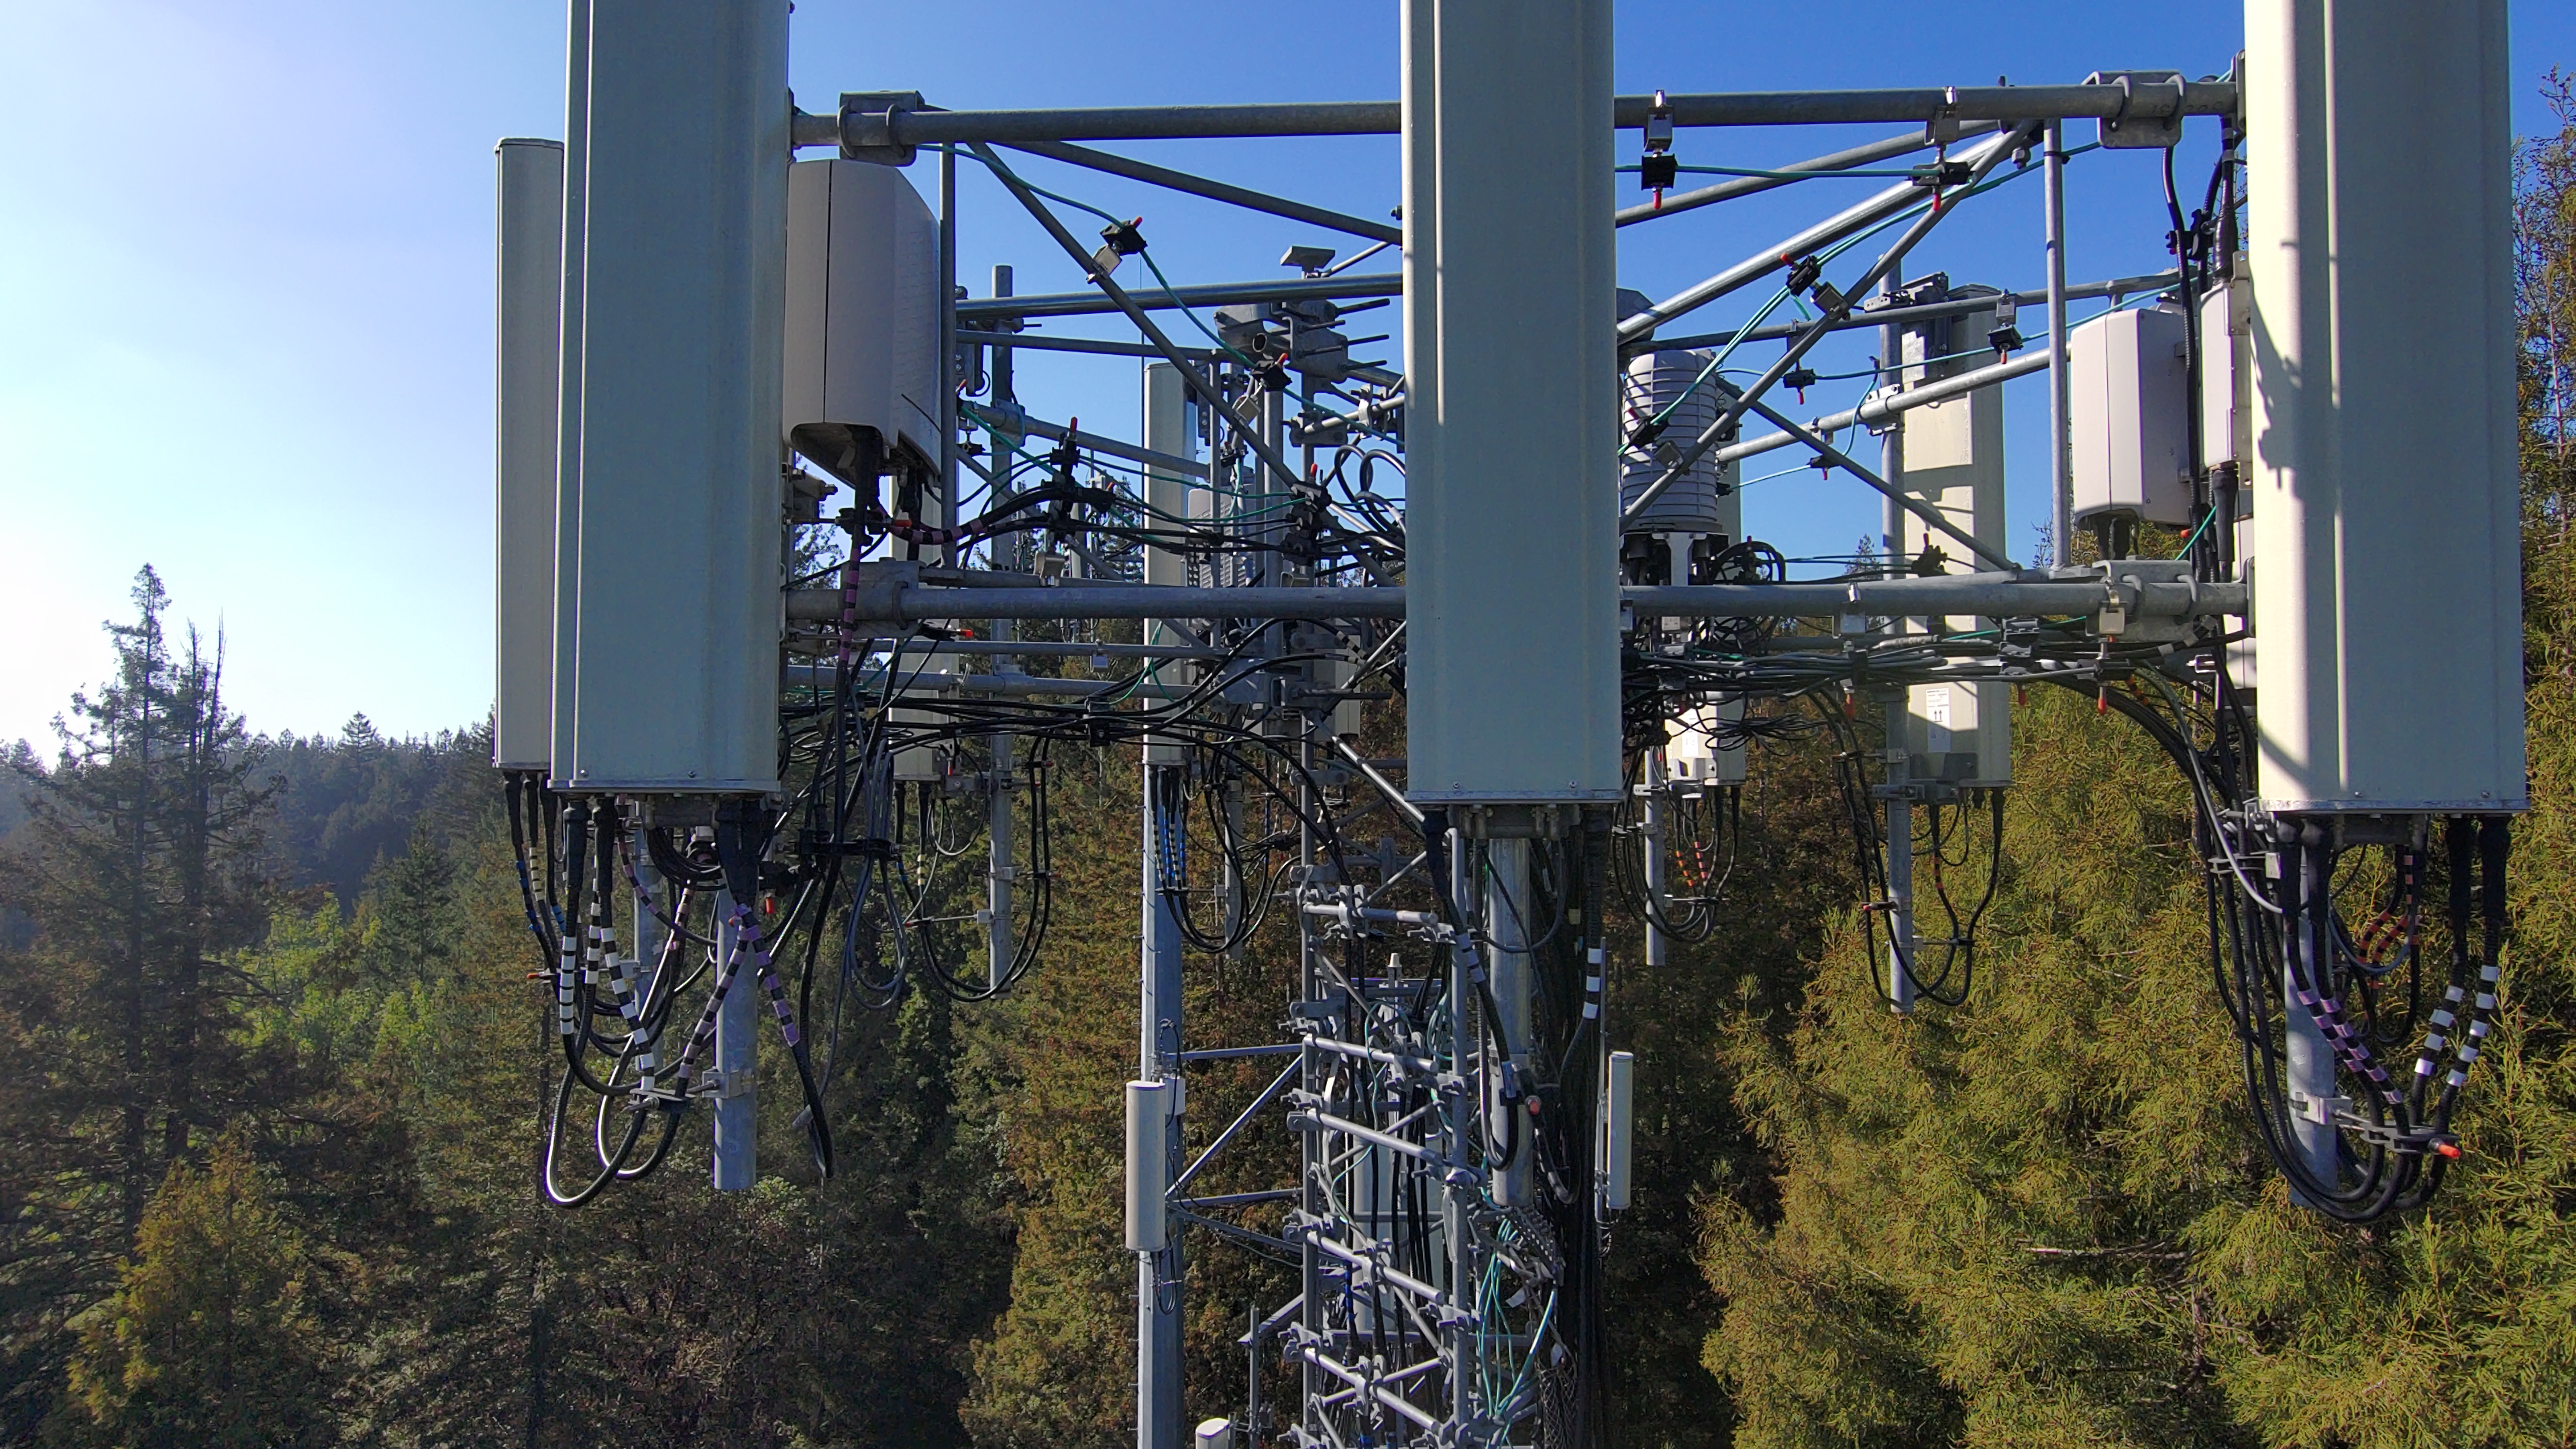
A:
[2044,1219]
[206,1341]
[138,868]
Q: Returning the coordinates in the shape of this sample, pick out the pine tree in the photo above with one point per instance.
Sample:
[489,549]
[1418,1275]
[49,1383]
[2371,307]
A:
[137,869]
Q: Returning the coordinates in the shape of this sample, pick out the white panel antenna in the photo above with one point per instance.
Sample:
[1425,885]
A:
[529,275]
[862,378]
[1512,410]
[675,671]
[2387,502]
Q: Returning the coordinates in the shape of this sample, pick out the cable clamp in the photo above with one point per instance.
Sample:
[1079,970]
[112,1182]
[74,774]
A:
[2408,1144]
[867,126]
[2324,1111]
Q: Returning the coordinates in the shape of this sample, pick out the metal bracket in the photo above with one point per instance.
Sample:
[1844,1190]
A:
[2127,132]
[2320,1110]
[2387,1138]
[867,126]
[1516,822]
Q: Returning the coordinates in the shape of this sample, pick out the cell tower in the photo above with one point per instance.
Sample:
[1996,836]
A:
[767,723]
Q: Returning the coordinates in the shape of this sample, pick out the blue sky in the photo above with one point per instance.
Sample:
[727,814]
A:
[245,256]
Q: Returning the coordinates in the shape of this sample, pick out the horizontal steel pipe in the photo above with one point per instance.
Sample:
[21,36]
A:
[1361,286]
[897,603]
[1728,190]
[1243,196]
[1309,1120]
[1783,255]
[1337,1369]
[1040,342]
[1996,594]
[1373,1054]
[1004,686]
[927,127]
[1885,406]
[1924,312]
[1168,462]
[1925,103]
[1205,294]
[1047,649]
[1367,1264]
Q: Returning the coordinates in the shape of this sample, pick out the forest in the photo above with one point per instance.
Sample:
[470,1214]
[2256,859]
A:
[277,1050]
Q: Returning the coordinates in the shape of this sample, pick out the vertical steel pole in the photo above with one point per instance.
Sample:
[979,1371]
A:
[2310,1068]
[647,936]
[1900,859]
[737,1062]
[1001,939]
[2305,1051]
[1273,491]
[2061,464]
[1313,1198]
[1003,397]
[948,469]
[1510,923]
[1658,808]
[1001,364]
[1459,1186]
[1158,1274]
[1891,444]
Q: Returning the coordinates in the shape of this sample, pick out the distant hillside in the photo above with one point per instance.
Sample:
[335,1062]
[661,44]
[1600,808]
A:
[343,804]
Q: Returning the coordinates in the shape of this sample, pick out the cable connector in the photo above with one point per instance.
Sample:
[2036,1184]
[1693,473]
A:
[1658,168]
[1119,240]
[2005,337]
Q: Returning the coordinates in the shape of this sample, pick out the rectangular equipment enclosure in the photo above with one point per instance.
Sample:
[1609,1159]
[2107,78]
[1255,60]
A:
[1512,437]
[1147,1115]
[1960,733]
[2227,430]
[2129,420]
[862,319]
[2387,503]
[916,764]
[678,597]
[1618,1115]
[528,286]
[2227,379]
[1952,458]
[1694,757]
